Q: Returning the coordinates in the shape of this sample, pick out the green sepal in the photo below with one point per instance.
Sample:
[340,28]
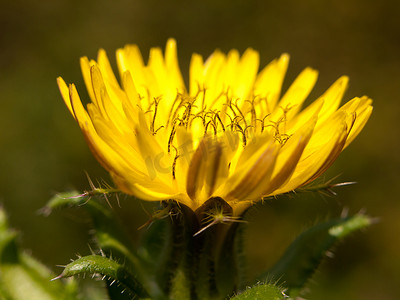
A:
[262,291]
[117,273]
[160,244]
[231,262]
[305,254]
[23,277]
[170,250]
[229,269]
[183,278]
[181,285]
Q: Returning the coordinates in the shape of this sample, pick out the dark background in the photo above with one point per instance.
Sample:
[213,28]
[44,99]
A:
[43,152]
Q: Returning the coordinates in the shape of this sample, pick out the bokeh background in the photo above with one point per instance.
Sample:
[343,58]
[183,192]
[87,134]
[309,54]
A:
[42,151]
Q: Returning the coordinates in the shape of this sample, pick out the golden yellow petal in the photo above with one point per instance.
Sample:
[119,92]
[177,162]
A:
[76,104]
[131,103]
[196,71]
[151,193]
[207,170]
[184,151]
[64,90]
[362,116]
[105,68]
[110,106]
[251,171]
[196,171]
[213,82]
[332,98]
[251,183]
[269,83]
[157,66]
[130,59]
[246,75]
[104,154]
[289,156]
[171,62]
[127,151]
[108,81]
[303,117]
[85,69]
[321,150]
[297,93]
[231,69]
[146,140]
[217,168]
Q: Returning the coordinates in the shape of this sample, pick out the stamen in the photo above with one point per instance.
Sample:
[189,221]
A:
[281,138]
[206,127]
[162,126]
[203,101]
[219,119]
[198,115]
[171,137]
[240,112]
[178,96]
[253,113]
[156,101]
[263,122]
[242,132]
[174,162]
[187,113]
[148,98]
[231,123]
[249,126]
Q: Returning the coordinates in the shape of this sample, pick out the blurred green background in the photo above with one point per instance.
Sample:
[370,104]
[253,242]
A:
[43,152]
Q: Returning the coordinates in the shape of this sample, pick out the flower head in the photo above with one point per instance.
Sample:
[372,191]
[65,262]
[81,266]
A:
[229,135]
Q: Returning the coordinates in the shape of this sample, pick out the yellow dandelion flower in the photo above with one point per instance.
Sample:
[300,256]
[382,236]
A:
[230,135]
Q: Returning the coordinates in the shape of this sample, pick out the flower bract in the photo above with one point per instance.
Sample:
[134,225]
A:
[228,133]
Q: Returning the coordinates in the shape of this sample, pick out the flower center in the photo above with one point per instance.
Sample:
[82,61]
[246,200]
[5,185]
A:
[248,117]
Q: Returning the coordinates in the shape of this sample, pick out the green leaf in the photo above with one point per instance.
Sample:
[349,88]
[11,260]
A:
[23,277]
[108,268]
[304,255]
[266,291]
[66,199]
[111,237]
